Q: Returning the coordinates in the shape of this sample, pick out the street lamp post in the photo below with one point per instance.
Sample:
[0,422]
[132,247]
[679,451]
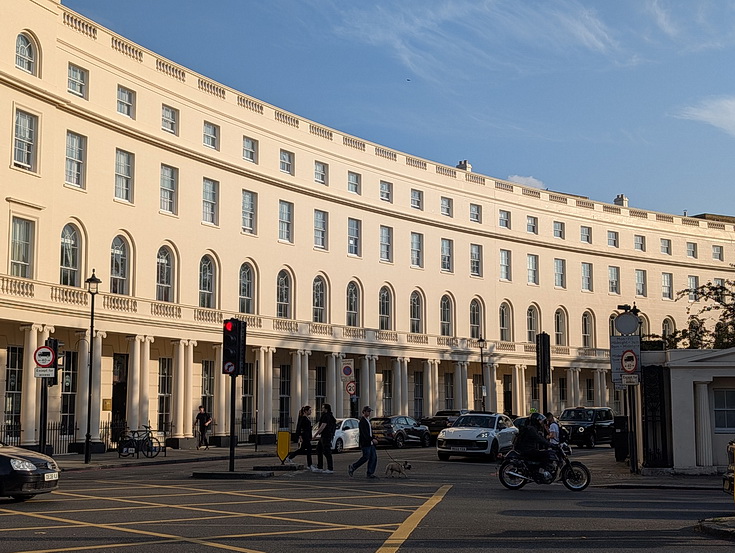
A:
[93,286]
[482,343]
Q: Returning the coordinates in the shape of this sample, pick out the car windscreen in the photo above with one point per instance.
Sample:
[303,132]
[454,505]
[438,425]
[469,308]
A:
[473,421]
[581,415]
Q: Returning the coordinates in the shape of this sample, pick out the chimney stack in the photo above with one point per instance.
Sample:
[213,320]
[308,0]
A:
[621,200]
[465,166]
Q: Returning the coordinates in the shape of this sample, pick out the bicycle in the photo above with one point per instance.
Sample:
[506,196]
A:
[139,441]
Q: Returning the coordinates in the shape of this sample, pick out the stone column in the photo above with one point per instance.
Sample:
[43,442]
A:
[296,382]
[396,401]
[80,406]
[457,385]
[404,385]
[221,392]
[703,431]
[177,407]
[144,402]
[372,368]
[437,384]
[28,407]
[132,406]
[189,388]
[260,390]
[305,385]
[268,382]
[332,396]
[550,393]
[97,385]
[429,407]
[519,390]
[492,387]
[364,390]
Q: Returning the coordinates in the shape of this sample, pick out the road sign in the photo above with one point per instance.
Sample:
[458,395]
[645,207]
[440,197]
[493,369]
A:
[620,345]
[629,361]
[228,368]
[351,388]
[44,372]
[629,379]
[44,356]
[347,372]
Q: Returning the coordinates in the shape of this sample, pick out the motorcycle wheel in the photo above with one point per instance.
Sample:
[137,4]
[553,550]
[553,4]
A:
[508,480]
[576,476]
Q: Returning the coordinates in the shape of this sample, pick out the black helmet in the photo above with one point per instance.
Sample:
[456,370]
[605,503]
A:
[537,419]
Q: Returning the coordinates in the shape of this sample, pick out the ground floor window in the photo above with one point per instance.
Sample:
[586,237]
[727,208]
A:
[68,385]
[208,387]
[13,386]
[284,397]
[387,393]
[590,391]
[418,395]
[320,390]
[248,388]
[725,410]
[165,379]
[478,384]
[448,390]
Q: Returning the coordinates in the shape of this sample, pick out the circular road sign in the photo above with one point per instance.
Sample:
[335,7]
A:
[347,370]
[44,356]
[627,323]
[229,368]
[351,387]
[629,361]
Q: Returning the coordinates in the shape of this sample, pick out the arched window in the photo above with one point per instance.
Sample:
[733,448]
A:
[445,316]
[475,319]
[611,325]
[25,54]
[353,305]
[283,295]
[588,330]
[416,319]
[119,266]
[69,256]
[560,328]
[505,322]
[164,275]
[643,329]
[319,300]
[246,288]
[531,323]
[206,282]
[668,327]
[385,309]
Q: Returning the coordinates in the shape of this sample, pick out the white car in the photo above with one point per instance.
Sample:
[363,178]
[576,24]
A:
[347,435]
[476,435]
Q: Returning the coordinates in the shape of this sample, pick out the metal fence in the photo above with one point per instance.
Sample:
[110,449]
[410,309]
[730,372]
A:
[10,434]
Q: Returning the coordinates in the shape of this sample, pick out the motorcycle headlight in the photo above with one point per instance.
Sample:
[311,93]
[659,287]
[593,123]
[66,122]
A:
[483,435]
[22,464]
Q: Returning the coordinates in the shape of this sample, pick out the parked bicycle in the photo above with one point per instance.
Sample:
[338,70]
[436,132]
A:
[138,441]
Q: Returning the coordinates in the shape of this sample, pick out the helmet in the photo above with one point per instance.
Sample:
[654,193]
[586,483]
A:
[537,419]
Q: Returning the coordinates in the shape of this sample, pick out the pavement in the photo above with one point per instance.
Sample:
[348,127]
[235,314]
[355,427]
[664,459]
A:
[607,473]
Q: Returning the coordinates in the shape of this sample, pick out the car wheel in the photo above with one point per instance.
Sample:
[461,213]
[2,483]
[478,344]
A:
[400,441]
[426,440]
[21,497]
[339,446]
[443,456]
[591,442]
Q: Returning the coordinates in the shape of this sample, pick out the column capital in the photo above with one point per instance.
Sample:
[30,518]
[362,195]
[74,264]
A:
[149,339]
[32,326]
[101,334]
[192,343]
[135,338]
[49,328]
[493,366]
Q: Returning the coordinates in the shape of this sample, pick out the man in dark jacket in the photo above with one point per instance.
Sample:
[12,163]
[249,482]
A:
[367,445]
[325,434]
[531,443]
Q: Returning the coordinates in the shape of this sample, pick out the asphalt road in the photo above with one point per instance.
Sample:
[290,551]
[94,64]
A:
[441,506]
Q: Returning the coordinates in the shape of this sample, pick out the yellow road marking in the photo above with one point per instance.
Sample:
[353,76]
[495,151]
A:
[392,544]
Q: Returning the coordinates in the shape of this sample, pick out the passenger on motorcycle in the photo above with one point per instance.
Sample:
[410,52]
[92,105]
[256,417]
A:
[531,443]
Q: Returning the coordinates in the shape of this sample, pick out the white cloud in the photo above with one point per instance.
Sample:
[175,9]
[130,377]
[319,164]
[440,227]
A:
[718,112]
[532,182]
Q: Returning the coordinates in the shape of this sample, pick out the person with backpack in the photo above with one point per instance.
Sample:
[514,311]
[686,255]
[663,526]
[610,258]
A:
[325,435]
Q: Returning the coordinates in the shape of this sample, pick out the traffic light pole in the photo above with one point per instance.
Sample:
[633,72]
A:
[233,433]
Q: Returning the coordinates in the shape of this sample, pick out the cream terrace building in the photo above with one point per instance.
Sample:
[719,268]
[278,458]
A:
[194,203]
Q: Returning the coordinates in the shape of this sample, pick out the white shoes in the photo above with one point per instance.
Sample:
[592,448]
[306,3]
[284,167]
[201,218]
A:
[289,461]
[327,471]
[312,468]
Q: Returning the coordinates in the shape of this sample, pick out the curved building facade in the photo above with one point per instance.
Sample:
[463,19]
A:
[194,203]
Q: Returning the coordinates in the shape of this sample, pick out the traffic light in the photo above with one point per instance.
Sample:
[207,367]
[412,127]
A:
[233,347]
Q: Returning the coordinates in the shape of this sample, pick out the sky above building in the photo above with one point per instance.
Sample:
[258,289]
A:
[595,98]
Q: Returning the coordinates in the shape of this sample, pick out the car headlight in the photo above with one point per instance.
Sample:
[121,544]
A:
[22,464]
[483,435]
[442,434]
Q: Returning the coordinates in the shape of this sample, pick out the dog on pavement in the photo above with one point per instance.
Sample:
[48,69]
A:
[400,468]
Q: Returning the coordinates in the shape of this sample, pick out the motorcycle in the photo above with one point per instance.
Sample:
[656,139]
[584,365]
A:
[515,471]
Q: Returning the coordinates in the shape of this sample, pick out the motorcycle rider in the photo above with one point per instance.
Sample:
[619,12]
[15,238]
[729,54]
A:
[531,443]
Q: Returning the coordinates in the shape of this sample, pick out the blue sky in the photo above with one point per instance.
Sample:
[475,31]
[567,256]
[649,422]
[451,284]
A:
[595,98]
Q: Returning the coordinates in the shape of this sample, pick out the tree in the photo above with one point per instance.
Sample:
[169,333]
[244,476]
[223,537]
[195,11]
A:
[713,304]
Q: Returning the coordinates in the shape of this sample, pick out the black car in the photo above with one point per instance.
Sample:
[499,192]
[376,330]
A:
[398,430]
[25,473]
[442,420]
[588,426]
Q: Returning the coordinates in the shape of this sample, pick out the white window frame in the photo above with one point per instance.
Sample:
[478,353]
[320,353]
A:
[386,243]
[693,285]
[22,247]
[447,208]
[639,242]
[386,191]
[354,182]
[321,227]
[169,183]
[560,273]
[532,268]
[560,230]
[286,162]
[417,249]
[75,167]
[210,135]
[250,149]
[25,141]
[285,221]
[587,277]
[666,248]
[476,260]
[641,287]
[417,199]
[210,201]
[718,253]
[125,101]
[613,238]
[354,242]
[124,175]
[321,172]
[585,234]
[692,250]
[249,212]
[447,255]
[667,286]
[613,279]
[504,218]
[169,119]
[476,213]
[506,272]
[531,224]
[77,79]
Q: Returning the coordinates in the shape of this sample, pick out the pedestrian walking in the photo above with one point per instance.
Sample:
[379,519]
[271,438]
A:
[303,431]
[325,434]
[367,445]
[202,422]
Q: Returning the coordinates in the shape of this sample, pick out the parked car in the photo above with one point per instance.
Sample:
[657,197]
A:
[476,434]
[441,420]
[398,430]
[346,436]
[25,473]
[589,426]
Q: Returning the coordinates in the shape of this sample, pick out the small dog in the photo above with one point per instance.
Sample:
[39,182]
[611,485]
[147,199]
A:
[401,469]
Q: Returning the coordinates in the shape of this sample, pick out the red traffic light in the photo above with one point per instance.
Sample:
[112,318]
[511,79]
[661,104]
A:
[229,325]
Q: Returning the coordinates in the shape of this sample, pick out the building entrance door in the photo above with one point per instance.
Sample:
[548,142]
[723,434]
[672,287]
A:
[119,394]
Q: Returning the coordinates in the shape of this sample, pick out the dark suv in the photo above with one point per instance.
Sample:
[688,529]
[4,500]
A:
[588,426]
[398,430]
